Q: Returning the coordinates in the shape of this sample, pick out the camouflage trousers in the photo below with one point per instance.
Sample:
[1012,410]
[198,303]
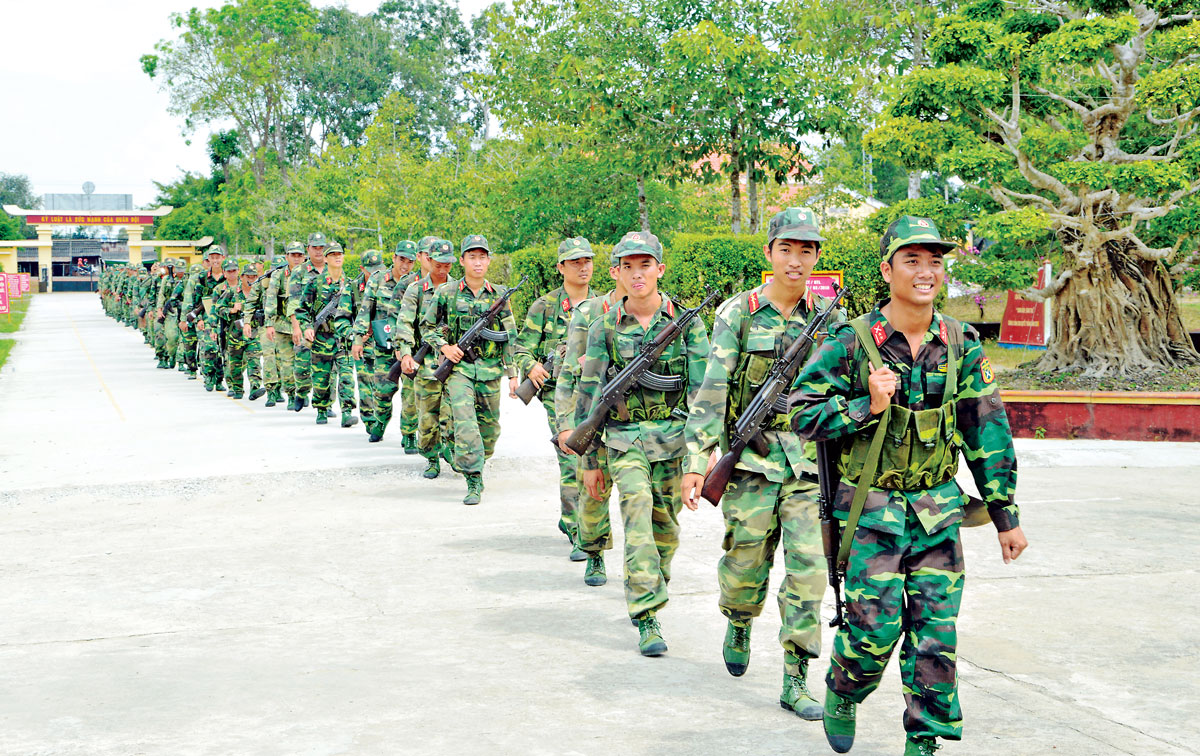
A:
[185,357]
[436,424]
[568,479]
[270,365]
[283,358]
[408,406]
[908,584]
[759,514]
[375,391]
[171,339]
[158,336]
[475,409]
[595,529]
[328,356]
[254,355]
[210,355]
[651,497]
[239,361]
[302,369]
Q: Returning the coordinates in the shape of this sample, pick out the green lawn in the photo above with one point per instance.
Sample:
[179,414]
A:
[6,346]
[1191,312]
[16,313]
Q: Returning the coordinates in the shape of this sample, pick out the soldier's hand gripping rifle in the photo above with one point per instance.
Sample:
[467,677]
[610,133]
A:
[479,330]
[194,313]
[636,372]
[770,400]
[528,389]
[168,308]
[397,369]
[327,310]
[831,529]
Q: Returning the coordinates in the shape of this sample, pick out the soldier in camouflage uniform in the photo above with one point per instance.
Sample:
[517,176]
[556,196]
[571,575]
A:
[250,296]
[205,323]
[434,429]
[919,378]
[297,282]
[595,529]
[544,337]
[185,356]
[766,502]
[158,328]
[373,339]
[644,436]
[328,340]
[473,388]
[167,309]
[255,327]
[279,326]
[226,317]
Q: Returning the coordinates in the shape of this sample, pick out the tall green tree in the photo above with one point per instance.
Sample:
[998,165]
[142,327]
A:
[1080,119]
[16,189]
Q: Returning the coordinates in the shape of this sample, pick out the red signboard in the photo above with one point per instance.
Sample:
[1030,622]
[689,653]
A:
[91,219]
[14,285]
[1024,322]
[821,282]
[24,283]
[3,294]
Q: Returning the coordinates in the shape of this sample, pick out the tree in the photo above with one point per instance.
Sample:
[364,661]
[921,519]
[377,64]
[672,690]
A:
[238,62]
[1080,119]
[16,189]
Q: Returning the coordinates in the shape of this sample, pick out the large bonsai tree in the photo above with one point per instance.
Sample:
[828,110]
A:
[1079,118]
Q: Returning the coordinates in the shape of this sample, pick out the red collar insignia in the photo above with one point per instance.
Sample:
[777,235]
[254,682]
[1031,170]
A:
[567,304]
[753,301]
[607,306]
[670,307]
[878,333]
[942,332]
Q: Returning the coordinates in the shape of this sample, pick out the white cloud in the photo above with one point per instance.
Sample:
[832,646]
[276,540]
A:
[81,109]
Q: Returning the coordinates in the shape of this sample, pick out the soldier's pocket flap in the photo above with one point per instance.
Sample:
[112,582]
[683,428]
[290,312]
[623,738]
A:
[761,341]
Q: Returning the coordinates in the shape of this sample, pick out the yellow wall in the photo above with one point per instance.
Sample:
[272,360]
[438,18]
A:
[8,259]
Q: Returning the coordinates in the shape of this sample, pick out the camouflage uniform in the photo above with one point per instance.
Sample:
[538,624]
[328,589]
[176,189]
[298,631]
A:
[328,347]
[275,307]
[376,314]
[297,282]
[206,328]
[473,388]
[256,314]
[435,426]
[545,334]
[251,300]
[905,571]
[645,452]
[226,321]
[594,528]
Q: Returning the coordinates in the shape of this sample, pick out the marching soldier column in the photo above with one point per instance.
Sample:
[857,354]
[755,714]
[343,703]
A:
[636,395]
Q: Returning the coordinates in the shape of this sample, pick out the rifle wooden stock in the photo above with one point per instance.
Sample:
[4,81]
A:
[584,435]
[528,390]
[718,478]
[397,369]
[474,333]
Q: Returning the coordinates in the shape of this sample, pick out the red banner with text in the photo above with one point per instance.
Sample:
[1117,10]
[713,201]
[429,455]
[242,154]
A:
[1024,322]
[4,293]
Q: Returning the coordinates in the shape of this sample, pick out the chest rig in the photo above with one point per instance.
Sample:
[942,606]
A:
[659,391]
[460,317]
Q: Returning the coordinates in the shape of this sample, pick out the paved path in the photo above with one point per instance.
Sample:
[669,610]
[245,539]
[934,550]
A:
[188,574]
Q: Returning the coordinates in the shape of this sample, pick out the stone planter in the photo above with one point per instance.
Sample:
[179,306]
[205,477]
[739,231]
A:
[1113,415]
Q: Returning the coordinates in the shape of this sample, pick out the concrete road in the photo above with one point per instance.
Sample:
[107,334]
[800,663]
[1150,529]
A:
[188,574]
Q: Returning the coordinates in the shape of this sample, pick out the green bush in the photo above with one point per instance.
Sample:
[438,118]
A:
[351,265]
[856,254]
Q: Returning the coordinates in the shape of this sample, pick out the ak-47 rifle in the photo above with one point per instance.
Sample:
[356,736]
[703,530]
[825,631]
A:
[528,389]
[636,372]
[479,330]
[327,310]
[194,313]
[396,370]
[770,400]
[171,306]
[281,266]
[831,529]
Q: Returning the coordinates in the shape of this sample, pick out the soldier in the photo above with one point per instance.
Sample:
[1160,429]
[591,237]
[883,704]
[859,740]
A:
[185,358]
[327,340]
[279,330]
[297,282]
[921,378]
[370,263]
[544,338]
[154,317]
[249,295]
[205,321]
[433,429]
[473,388]
[644,438]
[169,306]
[373,338]
[766,502]
[226,321]
[254,291]
[595,530]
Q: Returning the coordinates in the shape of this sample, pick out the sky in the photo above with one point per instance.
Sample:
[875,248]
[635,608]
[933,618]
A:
[78,106]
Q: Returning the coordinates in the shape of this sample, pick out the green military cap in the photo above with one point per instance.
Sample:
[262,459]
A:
[424,243]
[168,262]
[293,247]
[573,249]
[230,265]
[279,260]
[441,251]
[630,247]
[372,259]
[250,269]
[334,249]
[909,229]
[196,268]
[317,239]
[799,223]
[407,249]
[474,241]
[645,237]
[215,249]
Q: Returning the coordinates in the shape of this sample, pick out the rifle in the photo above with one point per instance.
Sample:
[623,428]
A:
[831,529]
[527,390]
[636,372]
[396,370]
[194,313]
[269,272]
[770,400]
[168,308]
[326,312]
[480,329]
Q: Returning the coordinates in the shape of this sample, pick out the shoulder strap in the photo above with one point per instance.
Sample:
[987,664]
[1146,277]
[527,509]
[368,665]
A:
[954,353]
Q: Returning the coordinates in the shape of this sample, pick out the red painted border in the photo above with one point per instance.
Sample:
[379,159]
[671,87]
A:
[1112,415]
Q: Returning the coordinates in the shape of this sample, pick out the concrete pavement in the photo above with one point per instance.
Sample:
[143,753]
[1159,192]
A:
[188,574]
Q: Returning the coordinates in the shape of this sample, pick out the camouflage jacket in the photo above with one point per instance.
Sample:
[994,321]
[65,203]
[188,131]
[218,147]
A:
[225,298]
[567,407]
[409,329]
[544,332]
[297,282]
[748,325]
[454,305]
[658,439]
[255,300]
[827,403]
[275,298]
[378,303]
[318,292]
[202,288]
